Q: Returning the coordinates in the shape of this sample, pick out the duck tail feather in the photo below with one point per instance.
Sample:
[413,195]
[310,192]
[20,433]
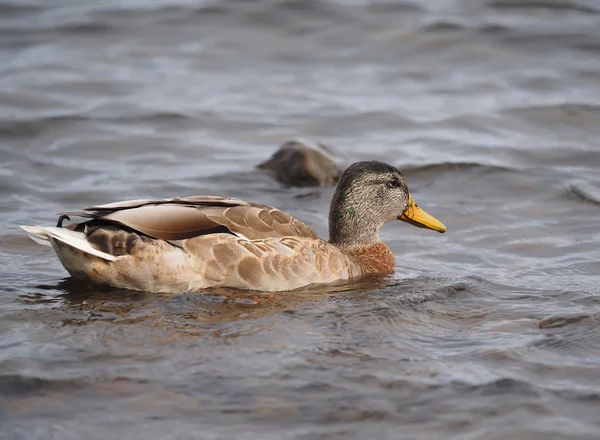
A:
[77,240]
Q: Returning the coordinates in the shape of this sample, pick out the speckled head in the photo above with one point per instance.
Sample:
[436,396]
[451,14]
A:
[368,195]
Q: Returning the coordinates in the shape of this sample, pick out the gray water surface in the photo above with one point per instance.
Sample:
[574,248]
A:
[490,108]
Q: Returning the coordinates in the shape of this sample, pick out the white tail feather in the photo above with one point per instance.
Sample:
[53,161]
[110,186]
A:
[37,234]
[74,239]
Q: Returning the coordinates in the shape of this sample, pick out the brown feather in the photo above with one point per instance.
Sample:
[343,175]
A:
[189,217]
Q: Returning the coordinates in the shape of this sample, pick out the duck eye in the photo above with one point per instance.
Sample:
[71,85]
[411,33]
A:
[394,183]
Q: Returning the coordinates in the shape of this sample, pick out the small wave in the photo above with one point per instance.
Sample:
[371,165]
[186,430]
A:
[566,109]
[16,243]
[417,291]
[578,338]
[77,26]
[449,26]
[494,29]
[264,11]
[16,384]
[442,167]
[154,117]
[557,5]
[584,192]
[85,28]
[442,26]
[567,114]
[501,386]
[12,9]
[578,396]
[395,7]
[316,6]
[561,321]
[276,13]
[29,127]
[172,12]
[554,40]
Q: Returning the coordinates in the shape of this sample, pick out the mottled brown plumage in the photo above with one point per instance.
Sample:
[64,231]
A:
[192,243]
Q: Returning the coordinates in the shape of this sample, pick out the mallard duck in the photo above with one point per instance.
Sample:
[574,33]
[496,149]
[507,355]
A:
[192,243]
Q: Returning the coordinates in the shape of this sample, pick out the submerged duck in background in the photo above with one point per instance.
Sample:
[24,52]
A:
[192,243]
[303,162]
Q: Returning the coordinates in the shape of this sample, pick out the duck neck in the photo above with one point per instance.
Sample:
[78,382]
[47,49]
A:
[351,223]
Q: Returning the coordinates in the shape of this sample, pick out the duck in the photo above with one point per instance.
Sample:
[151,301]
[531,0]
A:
[302,162]
[189,244]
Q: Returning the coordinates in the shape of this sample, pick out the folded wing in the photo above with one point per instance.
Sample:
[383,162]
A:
[188,217]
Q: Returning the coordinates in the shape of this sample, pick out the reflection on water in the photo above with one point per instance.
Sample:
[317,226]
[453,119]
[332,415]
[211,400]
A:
[489,107]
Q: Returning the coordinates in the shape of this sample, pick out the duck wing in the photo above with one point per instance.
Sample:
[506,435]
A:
[181,218]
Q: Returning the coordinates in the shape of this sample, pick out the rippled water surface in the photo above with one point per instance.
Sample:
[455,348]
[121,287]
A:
[491,109]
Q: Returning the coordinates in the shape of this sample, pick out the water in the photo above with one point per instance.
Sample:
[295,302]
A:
[491,109]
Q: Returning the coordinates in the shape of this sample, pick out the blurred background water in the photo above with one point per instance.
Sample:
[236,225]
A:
[491,108]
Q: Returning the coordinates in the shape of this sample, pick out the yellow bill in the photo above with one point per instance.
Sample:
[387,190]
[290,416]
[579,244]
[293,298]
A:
[417,217]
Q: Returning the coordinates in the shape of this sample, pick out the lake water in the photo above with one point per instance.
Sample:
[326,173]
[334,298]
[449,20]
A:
[491,108]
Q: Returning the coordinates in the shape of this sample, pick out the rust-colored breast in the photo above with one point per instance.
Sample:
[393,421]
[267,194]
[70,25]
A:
[377,258]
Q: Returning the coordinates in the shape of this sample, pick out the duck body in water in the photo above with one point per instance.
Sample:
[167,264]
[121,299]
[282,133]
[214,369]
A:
[193,243]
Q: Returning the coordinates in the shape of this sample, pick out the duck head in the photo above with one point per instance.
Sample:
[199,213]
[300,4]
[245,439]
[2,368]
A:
[368,195]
